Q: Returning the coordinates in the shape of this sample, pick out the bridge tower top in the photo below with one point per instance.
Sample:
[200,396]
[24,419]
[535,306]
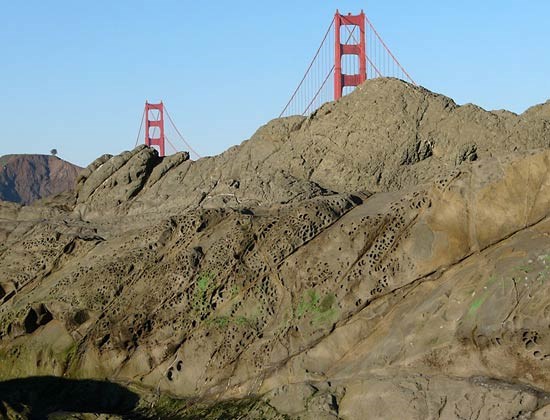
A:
[356,47]
[154,124]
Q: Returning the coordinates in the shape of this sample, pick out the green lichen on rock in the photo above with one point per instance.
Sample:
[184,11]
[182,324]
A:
[321,310]
[167,407]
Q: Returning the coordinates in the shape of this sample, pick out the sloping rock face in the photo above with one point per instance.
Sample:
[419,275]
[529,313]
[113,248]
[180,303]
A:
[27,178]
[246,279]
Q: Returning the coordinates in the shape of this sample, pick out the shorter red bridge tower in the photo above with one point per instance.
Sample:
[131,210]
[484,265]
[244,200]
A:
[151,126]
[357,48]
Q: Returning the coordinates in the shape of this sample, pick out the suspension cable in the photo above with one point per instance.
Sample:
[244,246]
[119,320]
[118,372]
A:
[170,143]
[374,67]
[180,135]
[319,91]
[140,127]
[308,69]
[388,50]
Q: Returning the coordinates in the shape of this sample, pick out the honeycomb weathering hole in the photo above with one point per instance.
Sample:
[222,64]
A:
[36,317]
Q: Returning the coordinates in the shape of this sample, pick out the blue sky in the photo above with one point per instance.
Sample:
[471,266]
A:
[75,74]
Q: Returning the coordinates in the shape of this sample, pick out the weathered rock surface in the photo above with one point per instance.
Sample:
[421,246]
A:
[287,277]
[386,136]
[27,178]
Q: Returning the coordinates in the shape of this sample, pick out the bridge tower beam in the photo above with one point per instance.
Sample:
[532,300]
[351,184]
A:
[359,49]
[152,124]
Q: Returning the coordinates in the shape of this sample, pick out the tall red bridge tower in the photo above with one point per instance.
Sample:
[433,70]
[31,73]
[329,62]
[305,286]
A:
[152,124]
[155,130]
[351,51]
[357,48]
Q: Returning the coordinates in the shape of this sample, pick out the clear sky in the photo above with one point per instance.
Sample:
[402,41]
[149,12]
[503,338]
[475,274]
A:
[74,75]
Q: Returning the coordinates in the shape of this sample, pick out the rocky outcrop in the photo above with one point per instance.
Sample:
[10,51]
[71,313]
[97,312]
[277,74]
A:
[295,296]
[27,178]
[385,136]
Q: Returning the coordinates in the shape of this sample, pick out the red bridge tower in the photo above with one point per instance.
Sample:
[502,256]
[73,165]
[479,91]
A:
[358,49]
[152,124]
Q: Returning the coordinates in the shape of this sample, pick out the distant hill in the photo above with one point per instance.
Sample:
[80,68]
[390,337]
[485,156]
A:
[26,178]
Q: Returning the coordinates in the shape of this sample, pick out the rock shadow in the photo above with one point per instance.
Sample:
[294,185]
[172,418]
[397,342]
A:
[38,397]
